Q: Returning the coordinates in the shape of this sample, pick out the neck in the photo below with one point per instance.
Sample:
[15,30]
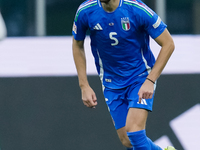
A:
[110,6]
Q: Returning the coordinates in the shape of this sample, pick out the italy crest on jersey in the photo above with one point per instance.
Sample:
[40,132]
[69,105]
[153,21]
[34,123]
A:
[125,23]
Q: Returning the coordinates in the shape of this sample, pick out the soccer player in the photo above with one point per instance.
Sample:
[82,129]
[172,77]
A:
[119,33]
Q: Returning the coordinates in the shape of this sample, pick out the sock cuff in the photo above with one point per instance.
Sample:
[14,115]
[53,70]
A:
[138,137]
[136,133]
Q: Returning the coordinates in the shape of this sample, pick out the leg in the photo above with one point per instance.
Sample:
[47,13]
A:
[122,134]
[135,127]
[118,110]
[136,119]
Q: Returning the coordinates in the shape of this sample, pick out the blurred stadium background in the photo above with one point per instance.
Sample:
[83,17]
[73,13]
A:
[40,101]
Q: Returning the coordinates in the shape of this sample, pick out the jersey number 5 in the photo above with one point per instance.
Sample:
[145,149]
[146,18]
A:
[113,38]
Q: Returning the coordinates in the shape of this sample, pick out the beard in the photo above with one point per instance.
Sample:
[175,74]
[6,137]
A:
[104,1]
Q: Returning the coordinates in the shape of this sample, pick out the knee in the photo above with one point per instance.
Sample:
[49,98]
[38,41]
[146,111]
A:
[125,141]
[122,134]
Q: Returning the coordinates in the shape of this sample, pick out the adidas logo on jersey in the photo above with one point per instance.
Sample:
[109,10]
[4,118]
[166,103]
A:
[98,27]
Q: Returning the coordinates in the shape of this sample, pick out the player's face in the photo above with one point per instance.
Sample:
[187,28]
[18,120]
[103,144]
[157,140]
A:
[104,1]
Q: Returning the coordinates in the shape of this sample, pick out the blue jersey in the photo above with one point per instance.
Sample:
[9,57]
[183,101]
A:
[119,39]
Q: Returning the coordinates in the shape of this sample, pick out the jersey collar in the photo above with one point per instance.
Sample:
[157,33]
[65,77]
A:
[120,3]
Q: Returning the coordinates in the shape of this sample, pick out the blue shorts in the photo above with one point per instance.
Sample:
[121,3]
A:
[120,100]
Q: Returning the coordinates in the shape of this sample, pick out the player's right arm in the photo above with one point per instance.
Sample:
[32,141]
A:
[80,27]
[88,96]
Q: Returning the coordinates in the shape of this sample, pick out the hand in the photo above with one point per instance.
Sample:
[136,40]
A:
[146,91]
[88,97]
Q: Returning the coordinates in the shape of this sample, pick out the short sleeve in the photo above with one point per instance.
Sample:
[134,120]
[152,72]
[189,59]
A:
[151,22]
[80,26]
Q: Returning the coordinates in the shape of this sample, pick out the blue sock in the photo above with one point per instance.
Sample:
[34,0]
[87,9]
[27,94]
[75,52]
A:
[153,146]
[129,148]
[140,141]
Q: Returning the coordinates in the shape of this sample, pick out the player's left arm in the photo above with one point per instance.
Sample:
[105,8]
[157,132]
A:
[167,47]
[154,26]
